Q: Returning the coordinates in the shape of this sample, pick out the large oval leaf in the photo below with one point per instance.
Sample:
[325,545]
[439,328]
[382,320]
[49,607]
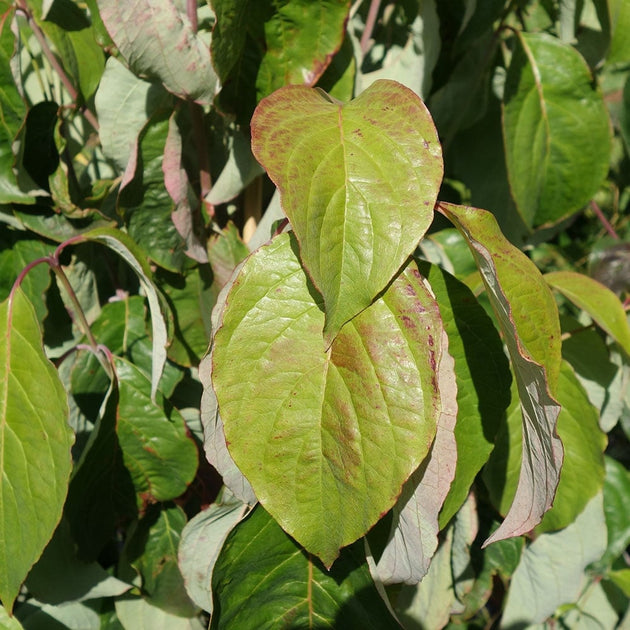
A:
[262,579]
[357,181]
[158,40]
[328,436]
[556,130]
[34,437]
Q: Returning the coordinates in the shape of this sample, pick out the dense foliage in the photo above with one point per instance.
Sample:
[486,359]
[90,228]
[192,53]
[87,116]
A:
[265,361]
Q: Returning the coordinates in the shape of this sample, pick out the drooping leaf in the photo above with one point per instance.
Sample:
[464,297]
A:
[186,215]
[551,570]
[157,449]
[556,129]
[100,473]
[528,318]
[34,437]
[124,103]
[338,430]
[288,588]
[125,247]
[81,580]
[201,541]
[259,46]
[582,472]
[483,380]
[158,41]
[598,301]
[151,549]
[145,201]
[12,110]
[413,537]
[378,167]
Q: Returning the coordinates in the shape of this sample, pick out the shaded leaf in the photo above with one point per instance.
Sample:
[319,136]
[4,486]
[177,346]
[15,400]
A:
[157,449]
[483,380]
[81,580]
[151,548]
[598,301]
[556,129]
[124,246]
[289,588]
[528,318]
[378,168]
[34,436]
[158,41]
[338,430]
[124,103]
[551,570]
[259,46]
[12,110]
[201,542]
[617,509]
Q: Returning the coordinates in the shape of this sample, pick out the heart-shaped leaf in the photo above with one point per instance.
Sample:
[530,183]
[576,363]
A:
[326,436]
[357,181]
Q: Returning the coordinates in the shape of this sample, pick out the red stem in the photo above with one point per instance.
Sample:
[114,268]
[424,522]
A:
[604,221]
[375,5]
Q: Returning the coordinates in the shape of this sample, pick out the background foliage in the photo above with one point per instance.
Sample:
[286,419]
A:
[134,181]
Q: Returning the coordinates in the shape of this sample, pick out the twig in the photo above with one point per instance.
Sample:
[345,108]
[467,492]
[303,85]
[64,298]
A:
[603,220]
[375,5]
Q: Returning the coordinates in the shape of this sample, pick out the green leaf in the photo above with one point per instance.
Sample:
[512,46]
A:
[259,46]
[483,380]
[598,301]
[7,622]
[152,550]
[159,42]
[125,247]
[145,202]
[528,318]
[34,437]
[139,614]
[619,50]
[338,430]
[157,449]
[124,103]
[12,111]
[263,580]
[201,542]
[551,570]
[378,166]
[83,60]
[556,130]
[81,580]
[100,473]
[617,509]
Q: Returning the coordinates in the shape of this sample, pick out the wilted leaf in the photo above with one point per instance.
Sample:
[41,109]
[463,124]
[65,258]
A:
[378,167]
[290,588]
[34,437]
[528,318]
[556,130]
[158,41]
[338,430]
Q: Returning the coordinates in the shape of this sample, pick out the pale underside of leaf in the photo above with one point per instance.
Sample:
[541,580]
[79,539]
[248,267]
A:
[413,541]
[518,294]
[326,437]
